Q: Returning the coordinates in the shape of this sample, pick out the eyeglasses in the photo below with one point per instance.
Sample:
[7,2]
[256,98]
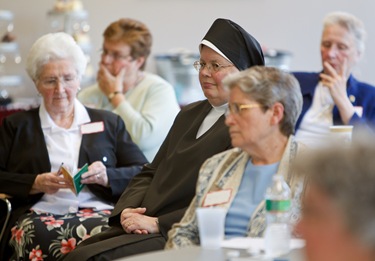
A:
[210,67]
[116,56]
[235,108]
[52,82]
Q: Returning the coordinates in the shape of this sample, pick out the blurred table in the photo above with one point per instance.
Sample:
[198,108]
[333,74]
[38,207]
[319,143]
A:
[197,253]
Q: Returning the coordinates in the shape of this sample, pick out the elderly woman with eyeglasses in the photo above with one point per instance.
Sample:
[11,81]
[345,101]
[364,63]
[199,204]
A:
[146,102]
[49,218]
[334,96]
[264,104]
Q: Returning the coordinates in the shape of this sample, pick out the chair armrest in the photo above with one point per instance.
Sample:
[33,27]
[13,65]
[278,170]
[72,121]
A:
[4,198]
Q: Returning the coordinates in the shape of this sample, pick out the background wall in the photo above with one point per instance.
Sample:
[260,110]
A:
[293,25]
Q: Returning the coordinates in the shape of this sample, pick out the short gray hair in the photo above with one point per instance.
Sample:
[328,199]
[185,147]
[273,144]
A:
[268,85]
[351,23]
[347,176]
[52,47]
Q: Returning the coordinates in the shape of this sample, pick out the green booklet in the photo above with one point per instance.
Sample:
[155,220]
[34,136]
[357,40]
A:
[76,179]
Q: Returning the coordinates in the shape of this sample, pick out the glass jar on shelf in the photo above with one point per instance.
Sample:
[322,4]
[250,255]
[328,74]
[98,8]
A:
[75,23]
[71,22]
[88,77]
[10,70]
[176,67]
[6,25]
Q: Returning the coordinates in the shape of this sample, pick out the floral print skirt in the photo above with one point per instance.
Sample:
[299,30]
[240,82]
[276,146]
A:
[46,236]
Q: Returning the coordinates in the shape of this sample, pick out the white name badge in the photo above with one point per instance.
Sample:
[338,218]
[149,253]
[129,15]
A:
[358,110]
[217,198]
[93,127]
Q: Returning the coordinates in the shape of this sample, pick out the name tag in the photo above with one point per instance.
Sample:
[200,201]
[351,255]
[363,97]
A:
[93,127]
[217,198]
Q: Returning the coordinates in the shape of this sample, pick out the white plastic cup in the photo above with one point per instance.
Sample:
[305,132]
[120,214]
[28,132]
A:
[211,226]
[342,133]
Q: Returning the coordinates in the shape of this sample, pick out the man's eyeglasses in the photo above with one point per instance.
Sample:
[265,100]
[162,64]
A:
[52,82]
[115,55]
[235,108]
[210,67]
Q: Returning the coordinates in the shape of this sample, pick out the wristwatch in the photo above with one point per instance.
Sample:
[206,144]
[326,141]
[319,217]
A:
[112,95]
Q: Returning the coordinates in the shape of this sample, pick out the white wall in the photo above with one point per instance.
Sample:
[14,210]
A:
[293,25]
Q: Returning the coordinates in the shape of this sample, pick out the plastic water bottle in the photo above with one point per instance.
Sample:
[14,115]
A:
[278,204]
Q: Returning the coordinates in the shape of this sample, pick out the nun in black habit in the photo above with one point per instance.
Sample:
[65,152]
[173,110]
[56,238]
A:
[158,196]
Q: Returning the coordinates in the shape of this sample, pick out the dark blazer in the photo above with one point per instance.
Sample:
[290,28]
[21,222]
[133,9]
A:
[165,187]
[24,155]
[362,95]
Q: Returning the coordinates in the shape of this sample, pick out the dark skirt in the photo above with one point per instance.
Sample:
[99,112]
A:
[45,236]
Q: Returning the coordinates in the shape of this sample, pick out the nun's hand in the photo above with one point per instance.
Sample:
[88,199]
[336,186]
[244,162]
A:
[134,221]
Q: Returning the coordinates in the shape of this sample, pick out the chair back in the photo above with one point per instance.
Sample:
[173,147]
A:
[5,207]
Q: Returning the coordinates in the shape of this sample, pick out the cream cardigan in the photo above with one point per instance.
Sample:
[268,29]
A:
[224,171]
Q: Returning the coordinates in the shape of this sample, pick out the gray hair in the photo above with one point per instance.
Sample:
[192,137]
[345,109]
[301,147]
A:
[268,85]
[52,47]
[351,23]
[347,176]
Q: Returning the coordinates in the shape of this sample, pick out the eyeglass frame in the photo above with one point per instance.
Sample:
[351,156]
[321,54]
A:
[236,108]
[198,65]
[115,56]
[51,82]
